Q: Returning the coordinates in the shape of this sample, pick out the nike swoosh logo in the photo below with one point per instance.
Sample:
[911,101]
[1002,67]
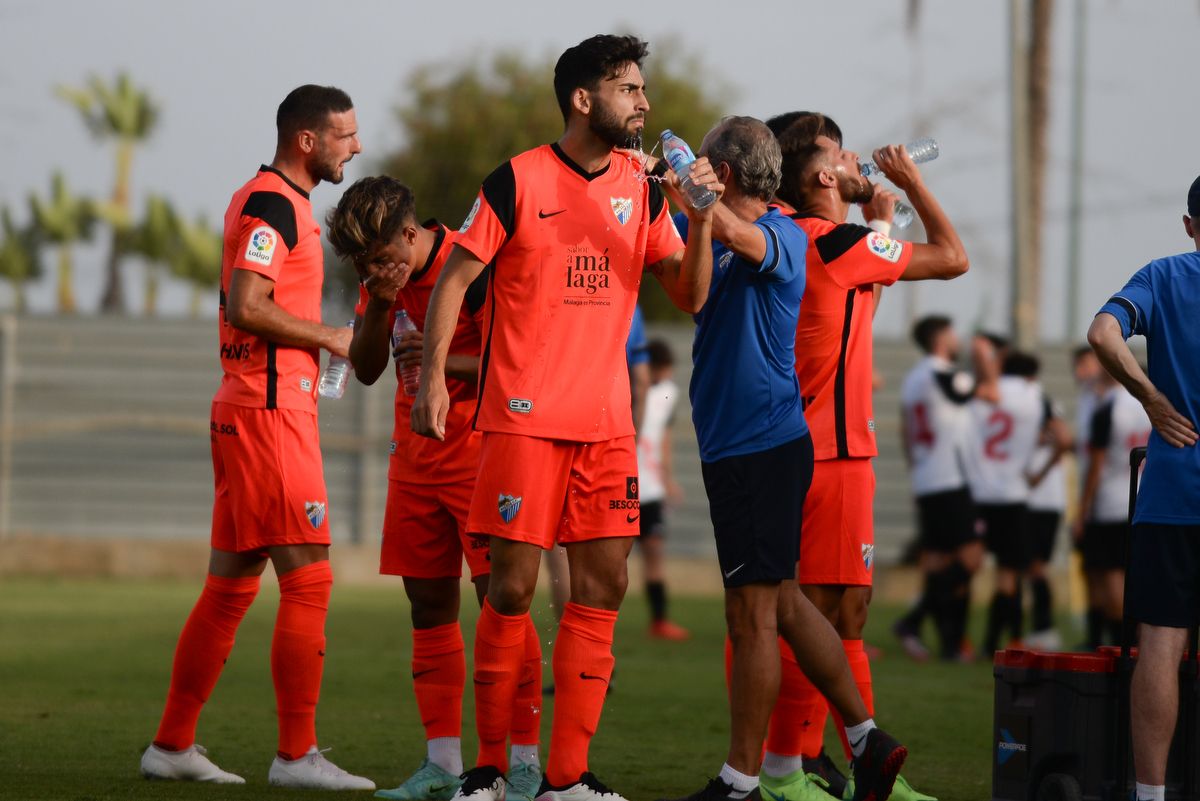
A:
[544,214]
[423,672]
[583,675]
[736,569]
[632,518]
[441,788]
[770,794]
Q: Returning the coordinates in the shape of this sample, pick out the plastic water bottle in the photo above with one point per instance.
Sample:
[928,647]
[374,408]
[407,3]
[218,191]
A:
[335,375]
[920,151]
[410,377]
[680,156]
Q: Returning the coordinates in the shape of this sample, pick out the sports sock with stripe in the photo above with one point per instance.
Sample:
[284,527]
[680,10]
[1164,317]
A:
[1149,792]
[439,670]
[298,654]
[499,651]
[860,667]
[583,663]
[204,645]
[527,702]
[797,724]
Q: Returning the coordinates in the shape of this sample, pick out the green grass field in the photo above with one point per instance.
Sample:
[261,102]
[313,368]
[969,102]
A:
[84,668]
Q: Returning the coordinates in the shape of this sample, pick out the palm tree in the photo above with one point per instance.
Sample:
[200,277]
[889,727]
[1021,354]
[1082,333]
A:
[127,114]
[156,239]
[64,219]
[197,257]
[19,257]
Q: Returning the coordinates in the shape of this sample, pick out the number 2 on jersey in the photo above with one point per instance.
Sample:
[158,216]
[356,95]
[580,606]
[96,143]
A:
[922,434]
[999,428]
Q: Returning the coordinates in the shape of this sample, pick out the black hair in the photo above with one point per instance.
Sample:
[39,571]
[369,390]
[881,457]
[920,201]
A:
[307,108]
[798,144]
[927,328]
[998,342]
[660,353]
[1080,351]
[591,61]
[1022,364]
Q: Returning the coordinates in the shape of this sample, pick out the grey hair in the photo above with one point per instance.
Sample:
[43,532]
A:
[750,149]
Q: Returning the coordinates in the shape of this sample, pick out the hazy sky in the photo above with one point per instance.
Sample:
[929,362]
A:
[220,68]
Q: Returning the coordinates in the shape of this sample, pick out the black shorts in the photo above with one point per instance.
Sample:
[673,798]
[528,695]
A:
[1043,531]
[652,519]
[756,502]
[1006,532]
[1103,546]
[1164,575]
[947,520]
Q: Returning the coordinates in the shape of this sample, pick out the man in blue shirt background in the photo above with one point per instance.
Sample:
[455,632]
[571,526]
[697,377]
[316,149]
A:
[1161,302]
[757,458]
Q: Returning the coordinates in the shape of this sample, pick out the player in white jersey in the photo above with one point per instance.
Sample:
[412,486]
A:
[1006,421]
[656,484]
[933,424]
[1047,502]
[1118,424]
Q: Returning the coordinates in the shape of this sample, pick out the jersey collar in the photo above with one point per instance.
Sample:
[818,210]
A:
[286,180]
[440,237]
[580,171]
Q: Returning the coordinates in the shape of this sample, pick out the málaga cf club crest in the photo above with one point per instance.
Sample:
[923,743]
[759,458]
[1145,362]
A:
[622,208]
[509,506]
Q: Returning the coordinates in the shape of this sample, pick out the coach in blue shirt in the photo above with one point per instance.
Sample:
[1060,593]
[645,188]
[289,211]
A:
[1161,302]
[757,456]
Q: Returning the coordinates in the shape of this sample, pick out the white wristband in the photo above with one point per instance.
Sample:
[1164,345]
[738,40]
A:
[882,226]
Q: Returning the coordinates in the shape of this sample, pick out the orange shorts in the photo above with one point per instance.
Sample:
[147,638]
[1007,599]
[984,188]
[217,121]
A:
[270,482]
[425,532]
[837,536]
[543,491]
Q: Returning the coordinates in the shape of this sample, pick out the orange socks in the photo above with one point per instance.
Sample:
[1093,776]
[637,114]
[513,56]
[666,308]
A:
[439,669]
[527,706]
[860,666]
[499,652]
[798,720]
[298,654]
[583,663]
[204,644]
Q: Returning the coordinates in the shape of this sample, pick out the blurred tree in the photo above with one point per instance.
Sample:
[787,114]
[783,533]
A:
[461,122]
[197,257]
[156,239]
[127,114]
[20,259]
[63,220]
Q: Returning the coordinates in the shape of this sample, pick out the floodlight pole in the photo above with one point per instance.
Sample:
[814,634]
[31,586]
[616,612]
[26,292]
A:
[1024,264]
[1075,188]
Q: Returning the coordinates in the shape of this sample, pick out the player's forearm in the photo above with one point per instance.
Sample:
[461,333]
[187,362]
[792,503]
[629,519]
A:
[687,278]
[1113,351]
[370,347]
[462,367]
[444,304]
[264,318]
[947,249]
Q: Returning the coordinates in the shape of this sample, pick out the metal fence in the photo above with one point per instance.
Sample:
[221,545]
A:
[104,433]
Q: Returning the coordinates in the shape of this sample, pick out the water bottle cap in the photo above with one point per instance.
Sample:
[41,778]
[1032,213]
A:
[666,134]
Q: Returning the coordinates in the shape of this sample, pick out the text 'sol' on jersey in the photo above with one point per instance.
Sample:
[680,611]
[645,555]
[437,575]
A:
[1119,424]
[567,250]
[933,399]
[270,230]
[834,359]
[1001,439]
[421,460]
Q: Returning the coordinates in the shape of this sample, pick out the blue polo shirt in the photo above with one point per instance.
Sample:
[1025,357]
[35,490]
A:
[635,345]
[1162,303]
[744,392]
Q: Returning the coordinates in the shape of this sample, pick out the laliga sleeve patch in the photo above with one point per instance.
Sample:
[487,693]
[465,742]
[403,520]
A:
[470,217]
[261,248]
[885,248]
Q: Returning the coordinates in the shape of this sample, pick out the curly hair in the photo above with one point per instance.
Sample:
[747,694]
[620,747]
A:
[371,210]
